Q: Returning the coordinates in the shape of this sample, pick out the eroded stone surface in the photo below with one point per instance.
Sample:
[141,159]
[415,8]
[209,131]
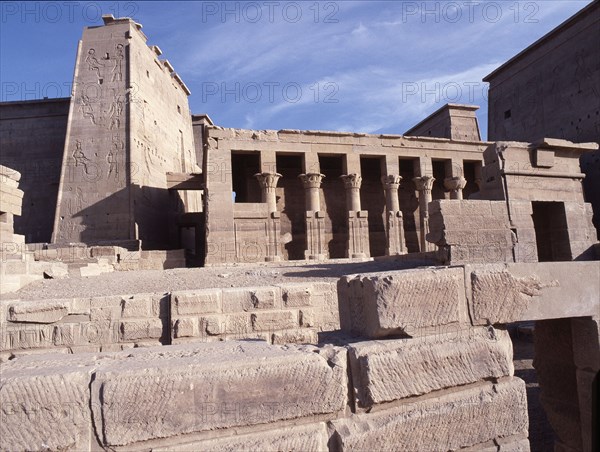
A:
[305,438]
[201,387]
[402,302]
[44,403]
[462,418]
[383,371]
[37,311]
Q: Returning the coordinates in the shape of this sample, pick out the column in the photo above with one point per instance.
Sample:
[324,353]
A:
[268,184]
[358,224]
[395,223]
[424,186]
[456,186]
[315,227]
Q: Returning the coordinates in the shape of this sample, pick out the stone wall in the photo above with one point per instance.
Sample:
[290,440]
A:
[255,396]
[326,224]
[471,231]
[441,304]
[289,313]
[129,124]
[526,104]
[427,366]
[32,134]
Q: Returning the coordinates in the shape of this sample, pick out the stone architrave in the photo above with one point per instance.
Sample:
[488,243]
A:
[358,225]
[315,225]
[395,224]
[456,186]
[268,184]
[424,186]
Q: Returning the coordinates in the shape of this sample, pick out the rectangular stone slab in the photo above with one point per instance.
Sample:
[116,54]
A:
[199,387]
[44,403]
[402,302]
[301,438]
[455,419]
[505,293]
[383,371]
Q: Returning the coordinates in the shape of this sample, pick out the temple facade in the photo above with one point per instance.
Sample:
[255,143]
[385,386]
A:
[132,167]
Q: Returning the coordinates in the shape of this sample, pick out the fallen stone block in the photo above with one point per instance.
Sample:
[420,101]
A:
[505,293]
[455,419]
[395,369]
[161,392]
[44,403]
[400,303]
[301,438]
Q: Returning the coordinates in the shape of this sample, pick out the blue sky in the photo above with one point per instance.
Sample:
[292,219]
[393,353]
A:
[376,67]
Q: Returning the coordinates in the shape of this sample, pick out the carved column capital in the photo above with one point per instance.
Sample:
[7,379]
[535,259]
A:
[268,180]
[455,183]
[311,180]
[352,180]
[391,181]
[424,183]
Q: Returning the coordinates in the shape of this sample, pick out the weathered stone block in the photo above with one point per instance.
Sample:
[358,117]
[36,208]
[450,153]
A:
[301,438]
[37,311]
[395,369]
[135,306]
[243,300]
[185,327]
[200,387]
[44,403]
[297,295]
[274,320]
[297,336]
[404,301]
[214,325]
[507,293]
[309,317]
[455,419]
[132,330]
[197,302]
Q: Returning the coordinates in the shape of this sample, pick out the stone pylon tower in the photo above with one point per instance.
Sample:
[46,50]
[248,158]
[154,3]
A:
[129,124]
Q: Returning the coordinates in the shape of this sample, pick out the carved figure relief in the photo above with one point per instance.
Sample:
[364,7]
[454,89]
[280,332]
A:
[117,72]
[112,156]
[114,112]
[93,63]
[86,109]
[79,157]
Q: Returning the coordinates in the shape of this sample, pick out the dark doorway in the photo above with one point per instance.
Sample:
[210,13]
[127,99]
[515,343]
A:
[409,203]
[551,232]
[244,185]
[471,169]
[439,173]
[372,199]
[291,204]
[333,202]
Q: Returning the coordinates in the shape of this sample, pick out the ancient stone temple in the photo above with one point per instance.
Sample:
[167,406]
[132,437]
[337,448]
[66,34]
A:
[396,273]
[137,170]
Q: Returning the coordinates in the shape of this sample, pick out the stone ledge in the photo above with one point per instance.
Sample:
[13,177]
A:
[402,302]
[505,293]
[472,415]
[384,371]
